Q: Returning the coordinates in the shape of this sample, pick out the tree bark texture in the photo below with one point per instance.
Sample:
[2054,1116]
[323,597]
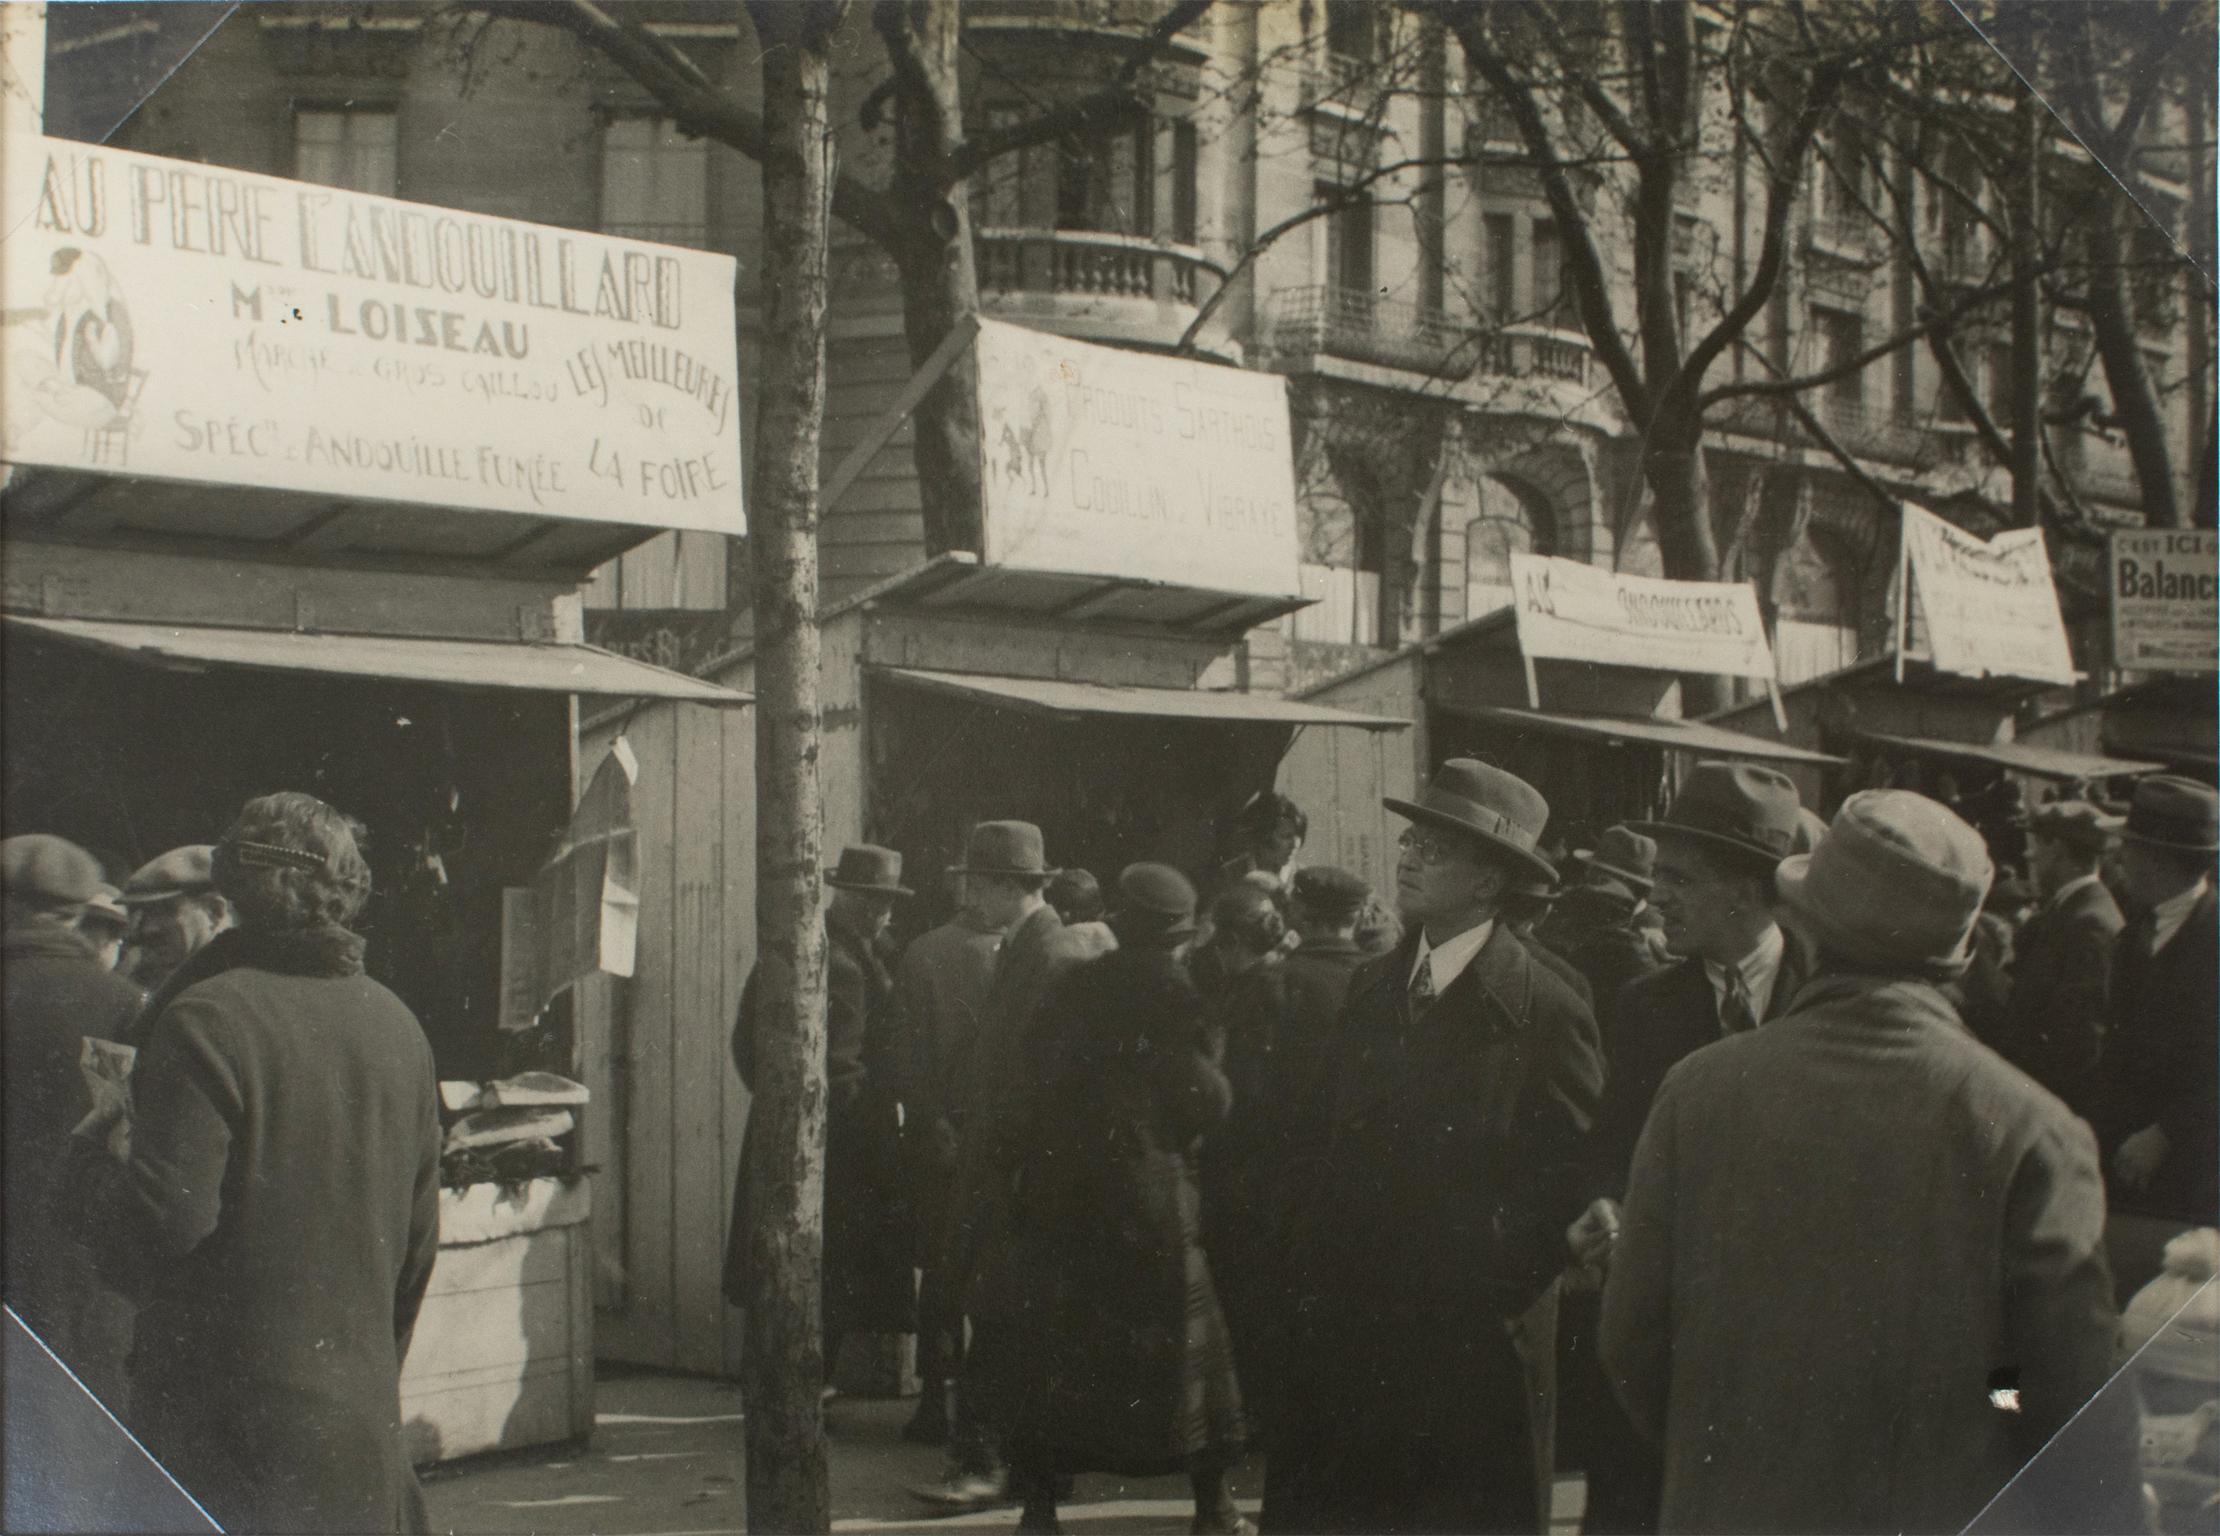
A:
[929,209]
[783,1366]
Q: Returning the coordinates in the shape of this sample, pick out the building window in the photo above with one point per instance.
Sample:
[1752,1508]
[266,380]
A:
[1999,392]
[654,182]
[1551,302]
[1845,181]
[1349,247]
[1841,337]
[999,192]
[1501,297]
[1509,523]
[1107,182]
[1352,33]
[1186,177]
[352,148]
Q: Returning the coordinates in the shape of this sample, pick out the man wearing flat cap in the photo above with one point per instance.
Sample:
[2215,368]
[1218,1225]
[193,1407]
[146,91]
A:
[2158,1111]
[866,1270]
[1717,847]
[2053,1022]
[57,994]
[175,911]
[1005,868]
[1846,1230]
[1466,1075]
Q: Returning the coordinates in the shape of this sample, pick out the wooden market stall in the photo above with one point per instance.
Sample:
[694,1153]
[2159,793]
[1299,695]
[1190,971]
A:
[299,495]
[1603,739]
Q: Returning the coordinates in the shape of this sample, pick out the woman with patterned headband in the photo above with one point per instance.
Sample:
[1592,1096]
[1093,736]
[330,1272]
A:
[278,1212]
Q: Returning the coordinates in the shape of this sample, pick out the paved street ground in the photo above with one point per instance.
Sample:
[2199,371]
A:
[665,1461]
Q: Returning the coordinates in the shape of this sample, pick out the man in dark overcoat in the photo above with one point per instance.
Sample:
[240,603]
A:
[58,995]
[2052,1027]
[1848,1230]
[1717,847]
[2158,1113]
[940,991]
[866,1271]
[1593,926]
[1466,1079]
[1279,1029]
[1005,866]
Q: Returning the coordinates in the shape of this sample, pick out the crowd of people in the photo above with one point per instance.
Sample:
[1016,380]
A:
[1777,1174]
[232,1256]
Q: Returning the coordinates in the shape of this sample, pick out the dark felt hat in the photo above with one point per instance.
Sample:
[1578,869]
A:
[1735,808]
[185,871]
[1155,901]
[2077,824]
[868,867]
[2173,812]
[1498,810]
[48,871]
[1328,891]
[1624,855]
[1005,848]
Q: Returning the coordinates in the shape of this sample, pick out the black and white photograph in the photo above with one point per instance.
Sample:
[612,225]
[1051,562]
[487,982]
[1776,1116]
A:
[1247,767]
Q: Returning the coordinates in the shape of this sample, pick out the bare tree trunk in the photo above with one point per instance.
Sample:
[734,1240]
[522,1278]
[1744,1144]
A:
[2023,215]
[2119,343]
[783,1368]
[932,250]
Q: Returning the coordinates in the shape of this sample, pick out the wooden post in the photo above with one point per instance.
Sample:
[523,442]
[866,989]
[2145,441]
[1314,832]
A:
[1903,591]
[783,1366]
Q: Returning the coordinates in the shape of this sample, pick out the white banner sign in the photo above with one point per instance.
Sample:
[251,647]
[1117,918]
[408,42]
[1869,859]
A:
[1105,462]
[187,322]
[2166,599]
[1577,612]
[1988,606]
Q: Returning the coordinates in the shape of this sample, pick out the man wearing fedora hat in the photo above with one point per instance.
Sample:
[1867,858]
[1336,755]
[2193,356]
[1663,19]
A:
[1465,1075]
[1005,868]
[866,1270]
[2052,1026]
[2158,1111]
[1846,1230]
[1712,873]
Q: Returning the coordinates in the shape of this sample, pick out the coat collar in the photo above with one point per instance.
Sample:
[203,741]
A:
[1497,981]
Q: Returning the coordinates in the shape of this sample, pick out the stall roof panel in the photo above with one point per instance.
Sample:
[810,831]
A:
[1681,735]
[2043,762]
[541,665]
[1056,696]
[958,583]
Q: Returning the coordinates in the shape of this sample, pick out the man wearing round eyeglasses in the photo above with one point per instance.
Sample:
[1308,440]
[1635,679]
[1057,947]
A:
[1466,1075]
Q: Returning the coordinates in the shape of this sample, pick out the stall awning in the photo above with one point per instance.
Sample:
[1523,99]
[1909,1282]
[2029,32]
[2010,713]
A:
[1681,735]
[1070,700]
[545,666]
[2043,762]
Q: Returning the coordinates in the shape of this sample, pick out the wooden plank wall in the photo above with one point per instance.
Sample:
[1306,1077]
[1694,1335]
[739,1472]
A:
[877,531]
[656,1046]
[1338,775]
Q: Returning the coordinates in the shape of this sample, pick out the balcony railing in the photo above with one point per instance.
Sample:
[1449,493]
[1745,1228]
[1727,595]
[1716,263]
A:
[1869,430]
[1362,327]
[1091,264]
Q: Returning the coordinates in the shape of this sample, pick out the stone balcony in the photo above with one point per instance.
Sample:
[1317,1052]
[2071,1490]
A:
[1300,325]
[1096,285]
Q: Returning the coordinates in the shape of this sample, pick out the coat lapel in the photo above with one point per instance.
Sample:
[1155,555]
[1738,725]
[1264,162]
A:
[1393,1055]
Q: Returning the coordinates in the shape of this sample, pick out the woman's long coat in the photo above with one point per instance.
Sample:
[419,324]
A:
[1133,1368]
[279,1214]
[1436,1219]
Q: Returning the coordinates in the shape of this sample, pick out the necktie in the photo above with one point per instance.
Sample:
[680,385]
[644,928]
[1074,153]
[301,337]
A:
[1421,990]
[1735,1013]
